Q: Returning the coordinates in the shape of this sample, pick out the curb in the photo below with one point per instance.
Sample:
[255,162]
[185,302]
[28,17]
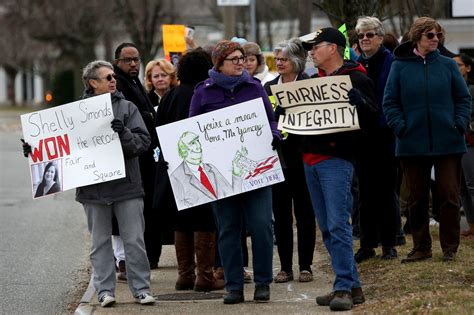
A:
[84,308]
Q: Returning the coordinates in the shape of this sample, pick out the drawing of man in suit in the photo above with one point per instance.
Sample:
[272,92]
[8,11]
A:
[195,182]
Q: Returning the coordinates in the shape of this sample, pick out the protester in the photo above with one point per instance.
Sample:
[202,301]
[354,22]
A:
[122,198]
[160,77]
[50,182]
[292,194]
[255,63]
[376,165]
[228,85]
[464,63]
[127,67]
[328,162]
[194,227]
[427,105]
[390,41]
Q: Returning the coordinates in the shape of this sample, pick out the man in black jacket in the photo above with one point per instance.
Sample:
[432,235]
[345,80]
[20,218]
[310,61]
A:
[328,162]
[127,67]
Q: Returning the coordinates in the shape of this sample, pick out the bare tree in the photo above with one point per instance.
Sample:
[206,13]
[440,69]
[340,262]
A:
[143,19]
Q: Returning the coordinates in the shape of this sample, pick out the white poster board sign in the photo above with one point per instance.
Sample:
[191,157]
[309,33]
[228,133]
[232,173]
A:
[316,106]
[220,154]
[73,145]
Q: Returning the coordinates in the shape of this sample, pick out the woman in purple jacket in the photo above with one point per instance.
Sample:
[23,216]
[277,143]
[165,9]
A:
[230,84]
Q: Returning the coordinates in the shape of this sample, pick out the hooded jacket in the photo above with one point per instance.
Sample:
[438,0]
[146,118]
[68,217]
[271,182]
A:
[345,145]
[426,104]
[134,140]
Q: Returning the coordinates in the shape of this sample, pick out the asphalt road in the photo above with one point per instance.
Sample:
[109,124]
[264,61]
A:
[43,243]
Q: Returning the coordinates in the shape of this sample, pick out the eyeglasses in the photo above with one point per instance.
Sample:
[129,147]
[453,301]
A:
[431,35]
[236,60]
[128,60]
[109,77]
[283,60]
[460,65]
[369,35]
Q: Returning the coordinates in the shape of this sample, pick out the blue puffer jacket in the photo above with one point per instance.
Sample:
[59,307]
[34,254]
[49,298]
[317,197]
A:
[426,104]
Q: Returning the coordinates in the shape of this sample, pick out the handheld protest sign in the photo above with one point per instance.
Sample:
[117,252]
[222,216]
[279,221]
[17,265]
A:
[77,140]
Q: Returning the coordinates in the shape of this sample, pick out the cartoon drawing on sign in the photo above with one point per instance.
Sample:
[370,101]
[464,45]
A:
[49,183]
[196,182]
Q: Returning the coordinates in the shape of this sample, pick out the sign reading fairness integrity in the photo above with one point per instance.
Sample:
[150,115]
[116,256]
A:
[316,106]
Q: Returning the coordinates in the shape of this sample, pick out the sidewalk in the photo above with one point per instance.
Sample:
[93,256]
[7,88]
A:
[286,298]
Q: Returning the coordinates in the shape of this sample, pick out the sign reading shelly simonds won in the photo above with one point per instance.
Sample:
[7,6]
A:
[316,106]
[73,145]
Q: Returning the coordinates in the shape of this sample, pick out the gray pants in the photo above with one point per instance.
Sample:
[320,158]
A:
[129,214]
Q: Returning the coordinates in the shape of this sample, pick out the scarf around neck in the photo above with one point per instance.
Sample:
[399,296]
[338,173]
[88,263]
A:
[226,81]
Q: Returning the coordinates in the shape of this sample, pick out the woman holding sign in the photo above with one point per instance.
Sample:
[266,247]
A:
[290,58]
[50,182]
[230,84]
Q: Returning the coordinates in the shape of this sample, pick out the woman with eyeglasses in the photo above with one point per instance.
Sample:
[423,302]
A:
[428,106]
[160,77]
[292,194]
[230,84]
[376,165]
[122,198]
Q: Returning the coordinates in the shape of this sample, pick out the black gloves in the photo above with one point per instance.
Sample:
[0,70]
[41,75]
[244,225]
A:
[26,148]
[355,97]
[279,111]
[117,126]
[276,143]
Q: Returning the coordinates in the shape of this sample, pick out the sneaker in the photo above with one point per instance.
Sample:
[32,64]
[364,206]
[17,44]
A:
[357,297]
[342,301]
[247,276]
[106,300]
[305,276]
[262,293]
[234,297]
[364,254]
[449,256]
[122,271]
[283,276]
[145,299]
[389,253]
[417,255]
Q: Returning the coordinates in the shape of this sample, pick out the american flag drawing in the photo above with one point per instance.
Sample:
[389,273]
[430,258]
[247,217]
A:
[262,167]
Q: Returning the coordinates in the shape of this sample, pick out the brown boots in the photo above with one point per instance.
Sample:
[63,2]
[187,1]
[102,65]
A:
[203,244]
[184,245]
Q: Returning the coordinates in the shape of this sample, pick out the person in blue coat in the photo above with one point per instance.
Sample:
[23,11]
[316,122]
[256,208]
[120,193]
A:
[428,106]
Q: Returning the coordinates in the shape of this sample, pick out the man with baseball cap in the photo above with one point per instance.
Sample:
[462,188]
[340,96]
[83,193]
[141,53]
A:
[328,162]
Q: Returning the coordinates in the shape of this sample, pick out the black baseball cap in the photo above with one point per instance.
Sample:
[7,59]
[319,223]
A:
[327,34]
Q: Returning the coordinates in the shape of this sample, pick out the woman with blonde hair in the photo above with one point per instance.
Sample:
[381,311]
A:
[160,77]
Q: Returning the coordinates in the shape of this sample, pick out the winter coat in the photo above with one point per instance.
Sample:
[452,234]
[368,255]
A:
[134,92]
[209,97]
[426,104]
[174,107]
[345,145]
[134,140]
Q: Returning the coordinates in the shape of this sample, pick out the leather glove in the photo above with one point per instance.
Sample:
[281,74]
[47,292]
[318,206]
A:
[355,97]
[26,148]
[278,112]
[117,126]
[276,143]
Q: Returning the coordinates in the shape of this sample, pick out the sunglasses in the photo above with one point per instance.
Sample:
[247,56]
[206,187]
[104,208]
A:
[431,35]
[109,77]
[369,35]
[236,60]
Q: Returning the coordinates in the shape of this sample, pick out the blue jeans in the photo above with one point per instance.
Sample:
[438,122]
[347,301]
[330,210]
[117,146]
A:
[255,208]
[329,185]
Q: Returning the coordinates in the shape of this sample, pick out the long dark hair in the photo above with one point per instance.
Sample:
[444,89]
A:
[48,166]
